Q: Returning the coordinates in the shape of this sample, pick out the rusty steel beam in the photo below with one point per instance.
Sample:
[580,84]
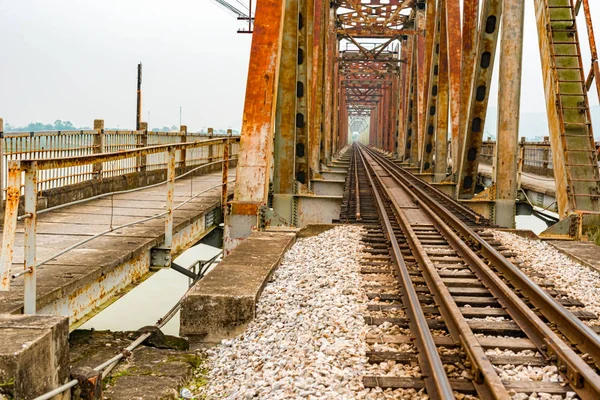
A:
[480,90]
[455,49]
[316,86]
[404,90]
[443,103]
[469,52]
[509,101]
[303,115]
[421,86]
[252,183]
[431,111]
[285,117]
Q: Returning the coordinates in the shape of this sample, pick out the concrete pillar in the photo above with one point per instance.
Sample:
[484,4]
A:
[98,145]
[143,142]
[183,153]
[34,358]
[511,57]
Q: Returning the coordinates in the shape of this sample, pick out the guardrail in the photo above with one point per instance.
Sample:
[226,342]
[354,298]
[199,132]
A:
[535,157]
[24,175]
[58,144]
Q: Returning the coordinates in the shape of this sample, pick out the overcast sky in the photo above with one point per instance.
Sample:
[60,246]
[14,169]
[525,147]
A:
[76,60]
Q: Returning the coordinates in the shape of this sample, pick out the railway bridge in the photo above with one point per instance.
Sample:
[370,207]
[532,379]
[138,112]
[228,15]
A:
[369,229]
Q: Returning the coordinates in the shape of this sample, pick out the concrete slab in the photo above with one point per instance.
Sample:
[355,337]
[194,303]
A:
[34,356]
[586,253]
[222,304]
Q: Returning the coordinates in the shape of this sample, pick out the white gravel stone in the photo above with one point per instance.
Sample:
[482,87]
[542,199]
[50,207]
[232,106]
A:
[578,281]
[308,338]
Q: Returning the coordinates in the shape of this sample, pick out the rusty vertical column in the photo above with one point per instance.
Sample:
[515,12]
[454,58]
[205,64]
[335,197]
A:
[421,91]
[336,101]
[316,87]
[443,104]
[469,51]
[330,61]
[455,48]
[303,92]
[404,91]
[288,93]
[491,14]
[256,142]
[225,176]
[509,101]
[343,118]
[394,115]
[98,146]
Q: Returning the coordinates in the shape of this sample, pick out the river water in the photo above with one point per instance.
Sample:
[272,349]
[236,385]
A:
[154,297]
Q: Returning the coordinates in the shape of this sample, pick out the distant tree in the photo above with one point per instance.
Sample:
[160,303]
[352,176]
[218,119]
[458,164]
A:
[58,125]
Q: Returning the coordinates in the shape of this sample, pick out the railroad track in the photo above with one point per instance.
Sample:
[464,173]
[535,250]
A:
[447,296]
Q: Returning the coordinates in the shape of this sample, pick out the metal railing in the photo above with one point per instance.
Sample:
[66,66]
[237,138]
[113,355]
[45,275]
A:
[25,174]
[535,157]
[59,144]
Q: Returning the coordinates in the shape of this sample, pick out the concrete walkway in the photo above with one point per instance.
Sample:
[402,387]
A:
[75,283]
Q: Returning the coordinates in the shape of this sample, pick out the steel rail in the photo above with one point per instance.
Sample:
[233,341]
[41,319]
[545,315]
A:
[357,189]
[477,218]
[485,379]
[436,380]
[583,379]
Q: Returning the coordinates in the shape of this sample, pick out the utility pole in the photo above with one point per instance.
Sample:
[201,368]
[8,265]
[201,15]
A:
[138,119]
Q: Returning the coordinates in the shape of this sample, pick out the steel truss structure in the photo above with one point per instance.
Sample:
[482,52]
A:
[420,72]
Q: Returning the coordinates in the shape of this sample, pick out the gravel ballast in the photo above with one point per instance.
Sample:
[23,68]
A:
[308,335]
[577,280]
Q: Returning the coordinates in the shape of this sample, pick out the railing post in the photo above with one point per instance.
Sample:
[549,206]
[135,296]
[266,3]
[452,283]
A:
[13,193]
[142,142]
[546,156]
[229,132]
[98,146]
[170,196]
[210,148]
[225,170]
[520,162]
[182,154]
[29,288]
